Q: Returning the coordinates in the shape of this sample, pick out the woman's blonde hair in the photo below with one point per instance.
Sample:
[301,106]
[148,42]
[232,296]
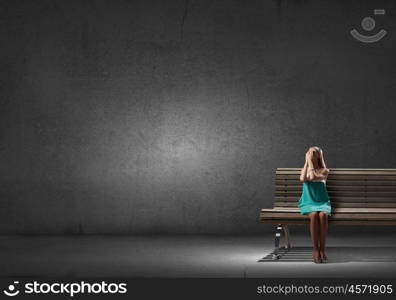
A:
[321,162]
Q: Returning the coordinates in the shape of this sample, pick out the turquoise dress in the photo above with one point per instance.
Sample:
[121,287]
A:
[314,197]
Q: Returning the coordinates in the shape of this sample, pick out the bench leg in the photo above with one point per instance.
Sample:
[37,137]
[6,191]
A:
[278,232]
[276,255]
[287,236]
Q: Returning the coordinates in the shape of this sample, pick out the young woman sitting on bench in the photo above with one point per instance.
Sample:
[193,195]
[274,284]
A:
[315,201]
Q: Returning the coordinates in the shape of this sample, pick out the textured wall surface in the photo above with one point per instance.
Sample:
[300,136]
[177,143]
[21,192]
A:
[172,116]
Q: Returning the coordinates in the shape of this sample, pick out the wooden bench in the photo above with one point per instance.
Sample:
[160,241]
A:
[357,196]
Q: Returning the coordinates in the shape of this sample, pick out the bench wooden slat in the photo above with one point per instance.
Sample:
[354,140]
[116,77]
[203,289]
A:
[340,188]
[339,215]
[342,172]
[346,188]
[331,222]
[343,194]
[343,177]
[331,182]
[345,169]
[340,204]
[340,199]
[336,210]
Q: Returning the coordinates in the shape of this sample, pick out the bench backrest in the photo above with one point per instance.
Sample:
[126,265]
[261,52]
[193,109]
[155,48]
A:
[346,187]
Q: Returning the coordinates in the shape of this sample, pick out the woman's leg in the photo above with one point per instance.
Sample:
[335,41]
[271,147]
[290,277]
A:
[323,232]
[314,228]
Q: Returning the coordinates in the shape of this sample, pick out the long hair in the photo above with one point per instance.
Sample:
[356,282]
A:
[321,162]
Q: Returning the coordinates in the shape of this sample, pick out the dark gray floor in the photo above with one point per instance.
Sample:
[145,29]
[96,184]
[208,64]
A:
[352,255]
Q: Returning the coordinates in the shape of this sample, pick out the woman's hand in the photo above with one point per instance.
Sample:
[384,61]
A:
[308,155]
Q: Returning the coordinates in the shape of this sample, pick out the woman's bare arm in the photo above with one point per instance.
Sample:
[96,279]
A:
[310,173]
[317,174]
[323,172]
[303,175]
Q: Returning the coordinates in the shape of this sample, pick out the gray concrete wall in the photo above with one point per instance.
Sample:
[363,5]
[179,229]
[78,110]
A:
[172,116]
